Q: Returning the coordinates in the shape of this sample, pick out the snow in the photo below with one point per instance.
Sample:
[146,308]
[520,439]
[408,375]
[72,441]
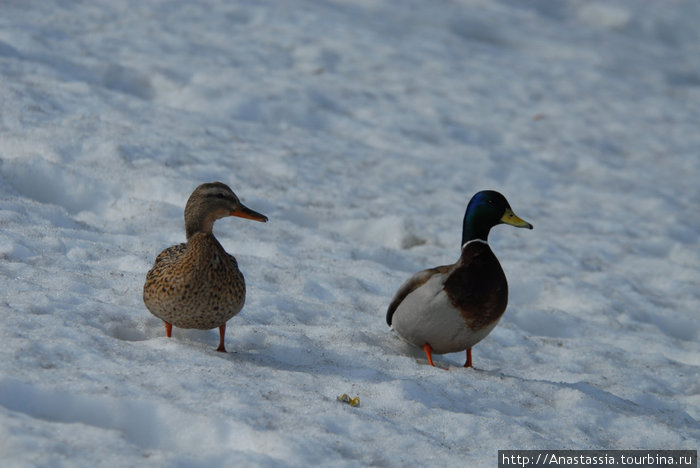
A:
[361,129]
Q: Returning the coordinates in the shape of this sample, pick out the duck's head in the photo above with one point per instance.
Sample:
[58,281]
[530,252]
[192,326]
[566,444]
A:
[485,210]
[213,201]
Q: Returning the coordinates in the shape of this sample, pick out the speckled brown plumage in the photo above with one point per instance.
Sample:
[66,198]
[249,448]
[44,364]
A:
[197,284]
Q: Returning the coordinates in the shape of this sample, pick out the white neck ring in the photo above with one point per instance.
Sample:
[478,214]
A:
[474,240]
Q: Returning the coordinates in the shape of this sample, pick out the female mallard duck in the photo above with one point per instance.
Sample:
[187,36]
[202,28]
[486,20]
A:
[198,284]
[451,308]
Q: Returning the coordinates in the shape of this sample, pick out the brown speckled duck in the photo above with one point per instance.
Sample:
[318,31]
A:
[197,284]
[451,308]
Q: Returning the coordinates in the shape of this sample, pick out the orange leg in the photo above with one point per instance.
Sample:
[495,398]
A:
[429,352]
[168,329]
[469,358]
[222,332]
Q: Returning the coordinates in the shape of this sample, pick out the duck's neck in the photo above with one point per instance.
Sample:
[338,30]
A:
[473,231]
[193,225]
[191,232]
[474,227]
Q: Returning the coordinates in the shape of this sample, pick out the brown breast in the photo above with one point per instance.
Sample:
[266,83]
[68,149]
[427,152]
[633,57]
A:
[478,286]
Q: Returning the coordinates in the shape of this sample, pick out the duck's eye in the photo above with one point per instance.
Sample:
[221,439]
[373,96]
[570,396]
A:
[219,195]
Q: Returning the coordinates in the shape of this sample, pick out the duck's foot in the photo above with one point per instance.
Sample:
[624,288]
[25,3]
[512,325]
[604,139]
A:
[469,358]
[429,353]
[222,333]
[168,329]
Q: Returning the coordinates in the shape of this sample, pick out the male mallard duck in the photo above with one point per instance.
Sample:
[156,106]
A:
[451,308]
[197,284]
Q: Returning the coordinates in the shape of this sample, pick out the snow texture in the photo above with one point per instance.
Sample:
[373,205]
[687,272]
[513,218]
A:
[361,129]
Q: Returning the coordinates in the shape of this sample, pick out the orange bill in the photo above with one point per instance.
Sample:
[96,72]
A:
[245,212]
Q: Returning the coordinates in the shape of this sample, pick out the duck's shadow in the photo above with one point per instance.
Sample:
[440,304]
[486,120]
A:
[427,386]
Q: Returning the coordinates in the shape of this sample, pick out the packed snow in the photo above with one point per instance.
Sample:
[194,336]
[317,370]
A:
[361,129]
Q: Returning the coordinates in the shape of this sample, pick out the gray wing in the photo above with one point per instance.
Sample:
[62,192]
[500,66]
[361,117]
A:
[410,285]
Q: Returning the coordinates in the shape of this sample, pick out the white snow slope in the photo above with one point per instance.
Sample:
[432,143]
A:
[361,128]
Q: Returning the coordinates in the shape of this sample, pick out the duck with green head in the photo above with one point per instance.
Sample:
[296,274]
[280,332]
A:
[451,308]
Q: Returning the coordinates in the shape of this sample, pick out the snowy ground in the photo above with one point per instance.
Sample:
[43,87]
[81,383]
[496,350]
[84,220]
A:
[361,129]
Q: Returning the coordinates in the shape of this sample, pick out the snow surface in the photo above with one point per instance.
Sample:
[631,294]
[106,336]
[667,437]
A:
[361,128]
